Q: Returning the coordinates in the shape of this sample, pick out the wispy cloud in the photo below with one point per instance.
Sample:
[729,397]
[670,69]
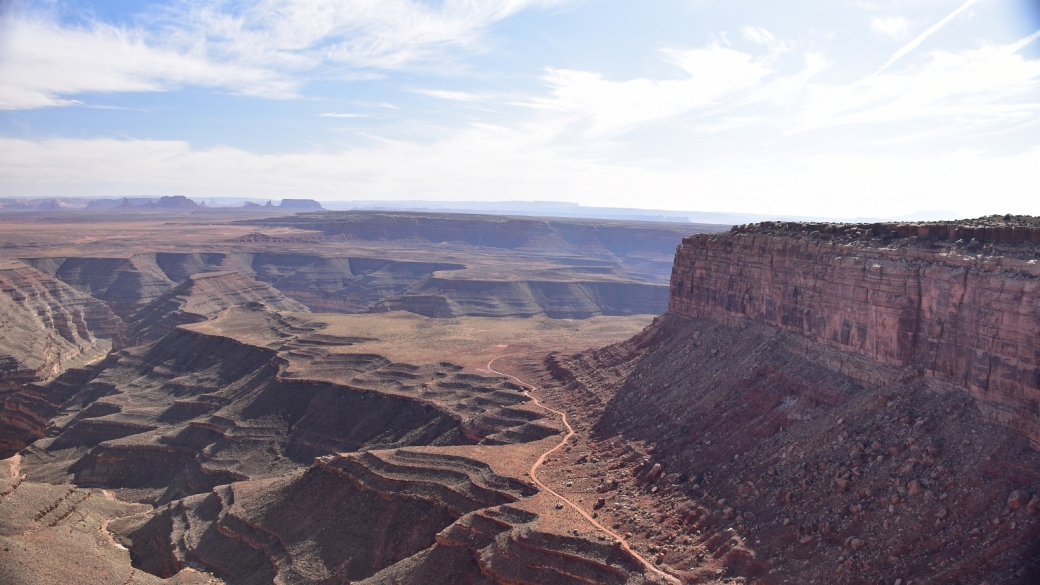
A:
[983,86]
[41,62]
[339,115]
[762,36]
[455,96]
[604,107]
[258,47]
[896,27]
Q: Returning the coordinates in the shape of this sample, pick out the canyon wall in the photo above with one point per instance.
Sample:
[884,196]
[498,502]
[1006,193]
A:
[46,327]
[963,312]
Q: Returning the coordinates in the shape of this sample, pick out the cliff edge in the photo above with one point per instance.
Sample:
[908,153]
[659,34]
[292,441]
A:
[956,301]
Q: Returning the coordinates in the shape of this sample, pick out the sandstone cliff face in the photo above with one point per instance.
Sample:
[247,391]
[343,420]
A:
[953,313]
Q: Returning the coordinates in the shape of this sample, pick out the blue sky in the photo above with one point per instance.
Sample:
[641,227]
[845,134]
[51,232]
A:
[832,108]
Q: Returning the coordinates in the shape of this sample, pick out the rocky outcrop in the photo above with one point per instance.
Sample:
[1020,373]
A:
[52,534]
[203,296]
[195,410]
[456,297]
[124,284]
[751,451]
[46,328]
[330,284]
[341,520]
[960,302]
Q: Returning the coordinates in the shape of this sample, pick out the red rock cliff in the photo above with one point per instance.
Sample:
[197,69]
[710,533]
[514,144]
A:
[967,312]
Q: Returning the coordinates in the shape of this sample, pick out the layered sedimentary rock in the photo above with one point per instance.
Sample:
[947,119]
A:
[340,284]
[756,449]
[55,534]
[556,299]
[125,284]
[200,409]
[46,327]
[203,296]
[139,286]
[959,310]
[616,238]
[406,516]
[341,520]
[47,323]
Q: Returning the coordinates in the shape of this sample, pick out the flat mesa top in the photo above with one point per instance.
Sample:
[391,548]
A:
[410,338]
[203,275]
[11,264]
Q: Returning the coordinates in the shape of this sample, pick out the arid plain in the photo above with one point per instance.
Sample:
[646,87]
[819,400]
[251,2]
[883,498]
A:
[403,398]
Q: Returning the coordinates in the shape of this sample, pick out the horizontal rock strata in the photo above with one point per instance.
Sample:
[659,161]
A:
[963,315]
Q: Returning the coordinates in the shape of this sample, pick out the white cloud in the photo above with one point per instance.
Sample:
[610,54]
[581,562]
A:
[606,107]
[41,61]
[492,163]
[902,52]
[339,115]
[757,129]
[262,47]
[988,85]
[455,96]
[896,27]
[762,36]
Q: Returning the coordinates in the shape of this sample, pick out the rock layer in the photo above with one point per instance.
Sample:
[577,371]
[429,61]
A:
[967,317]
[46,327]
[203,296]
[195,410]
[341,520]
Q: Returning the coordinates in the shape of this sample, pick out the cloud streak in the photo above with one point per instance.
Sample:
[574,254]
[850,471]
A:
[902,52]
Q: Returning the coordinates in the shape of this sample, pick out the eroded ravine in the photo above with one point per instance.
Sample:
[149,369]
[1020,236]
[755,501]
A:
[541,459]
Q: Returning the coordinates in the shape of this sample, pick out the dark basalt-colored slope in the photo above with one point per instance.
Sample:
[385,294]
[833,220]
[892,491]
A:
[197,410]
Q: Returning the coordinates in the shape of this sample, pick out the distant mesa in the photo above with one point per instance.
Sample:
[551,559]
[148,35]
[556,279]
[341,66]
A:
[292,204]
[300,204]
[176,202]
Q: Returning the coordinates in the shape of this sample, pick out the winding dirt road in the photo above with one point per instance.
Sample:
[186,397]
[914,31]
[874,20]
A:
[541,459]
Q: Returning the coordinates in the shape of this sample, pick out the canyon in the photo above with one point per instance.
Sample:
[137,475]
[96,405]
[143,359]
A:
[406,398]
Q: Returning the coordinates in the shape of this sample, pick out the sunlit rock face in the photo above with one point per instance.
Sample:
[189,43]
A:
[957,301]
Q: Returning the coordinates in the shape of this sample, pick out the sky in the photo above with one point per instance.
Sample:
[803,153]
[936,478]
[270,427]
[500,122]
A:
[839,108]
